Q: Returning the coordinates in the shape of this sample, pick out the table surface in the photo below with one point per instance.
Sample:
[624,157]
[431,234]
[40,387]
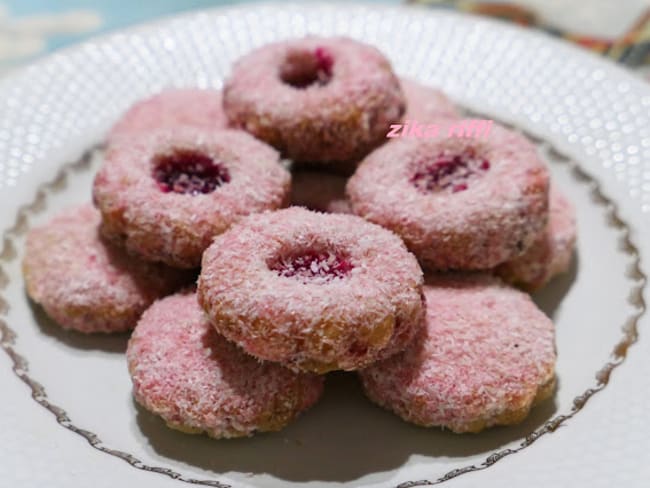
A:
[32,28]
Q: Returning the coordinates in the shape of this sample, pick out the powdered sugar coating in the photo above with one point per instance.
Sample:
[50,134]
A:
[551,253]
[172,108]
[339,120]
[175,228]
[184,371]
[87,284]
[426,104]
[320,191]
[485,356]
[495,217]
[369,307]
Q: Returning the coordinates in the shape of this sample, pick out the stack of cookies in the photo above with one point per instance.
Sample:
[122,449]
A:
[319,245]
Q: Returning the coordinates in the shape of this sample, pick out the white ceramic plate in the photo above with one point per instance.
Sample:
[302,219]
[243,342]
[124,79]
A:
[66,414]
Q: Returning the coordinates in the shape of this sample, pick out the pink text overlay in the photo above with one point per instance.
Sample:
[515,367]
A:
[476,128]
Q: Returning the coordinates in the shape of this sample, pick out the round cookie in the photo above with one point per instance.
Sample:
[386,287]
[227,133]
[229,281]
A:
[458,202]
[86,284]
[484,358]
[172,108]
[313,291]
[320,191]
[317,99]
[198,382]
[165,194]
[550,255]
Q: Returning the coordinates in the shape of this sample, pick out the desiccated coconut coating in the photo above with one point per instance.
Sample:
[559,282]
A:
[315,99]
[426,104]
[184,371]
[87,284]
[458,203]
[484,358]
[172,108]
[317,190]
[167,193]
[313,291]
[551,253]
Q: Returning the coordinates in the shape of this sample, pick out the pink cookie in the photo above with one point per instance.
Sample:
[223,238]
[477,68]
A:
[426,104]
[485,357]
[166,194]
[313,291]
[198,382]
[320,191]
[172,108]
[85,284]
[551,253]
[316,99]
[458,203]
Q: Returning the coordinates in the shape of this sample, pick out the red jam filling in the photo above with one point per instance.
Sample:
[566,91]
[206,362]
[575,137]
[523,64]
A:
[302,69]
[312,266]
[190,172]
[452,173]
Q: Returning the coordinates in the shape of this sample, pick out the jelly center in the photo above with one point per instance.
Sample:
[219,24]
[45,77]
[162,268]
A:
[306,68]
[313,266]
[449,172]
[189,171]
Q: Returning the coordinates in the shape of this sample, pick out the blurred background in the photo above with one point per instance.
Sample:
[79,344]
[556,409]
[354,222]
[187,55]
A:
[618,29]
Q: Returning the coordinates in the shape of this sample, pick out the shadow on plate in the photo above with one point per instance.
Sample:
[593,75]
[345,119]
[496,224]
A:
[341,439]
[550,297]
[111,343]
